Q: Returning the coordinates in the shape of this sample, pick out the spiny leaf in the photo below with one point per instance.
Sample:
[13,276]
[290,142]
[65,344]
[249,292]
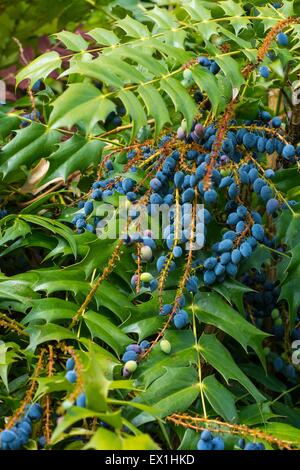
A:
[40,68]
[80,103]
[74,42]
[220,358]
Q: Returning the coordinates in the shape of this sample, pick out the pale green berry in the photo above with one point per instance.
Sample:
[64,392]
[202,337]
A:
[187,74]
[130,366]
[275,313]
[186,83]
[165,346]
[146,277]
[183,125]
[224,172]
[67,404]
[278,321]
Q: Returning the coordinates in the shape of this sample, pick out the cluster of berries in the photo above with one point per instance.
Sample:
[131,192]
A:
[208,442]
[282,40]
[71,376]
[18,436]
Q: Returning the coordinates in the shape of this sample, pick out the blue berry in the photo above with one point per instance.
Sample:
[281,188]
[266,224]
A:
[166,309]
[188,195]
[276,122]
[144,344]
[88,207]
[246,249]
[210,196]
[129,356]
[266,193]
[35,412]
[225,245]
[218,443]
[70,364]
[204,445]
[209,277]
[258,232]
[282,39]
[236,256]
[210,263]
[288,151]
[81,400]
[192,284]
[179,321]
[264,71]
[206,435]
[71,376]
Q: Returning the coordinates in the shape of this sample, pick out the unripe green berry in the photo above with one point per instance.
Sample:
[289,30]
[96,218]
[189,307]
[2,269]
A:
[146,277]
[67,404]
[275,313]
[278,321]
[165,346]
[224,172]
[267,350]
[187,74]
[186,83]
[183,125]
[130,366]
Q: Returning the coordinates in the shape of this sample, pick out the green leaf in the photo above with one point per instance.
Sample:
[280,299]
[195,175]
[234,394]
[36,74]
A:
[141,57]
[181,99]
[175,390]
[8,355]
[72,41]
[103,439]
[231,70]
[75,414]
[77,153]
[212,309]
[100,327]
[134,109]
[256,413]
[288,224]
[283,431]
[235,10]
[219,357]
[260,256]
[50,310]
[7,124]
[208,84]
[15,289]
[94,69]
[43,333]
[96,385]
[40,68]
[18,229]
[183,353]
[104,36]
[55,383]
[155,106]
[53,226]
[162,18]
[201,15]
[220,399]
[80,103]
[133,28]
[233,292]
[31,143]
[290,292]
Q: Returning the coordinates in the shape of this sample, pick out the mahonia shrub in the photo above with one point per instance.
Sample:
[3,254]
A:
[187,338]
